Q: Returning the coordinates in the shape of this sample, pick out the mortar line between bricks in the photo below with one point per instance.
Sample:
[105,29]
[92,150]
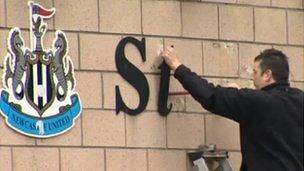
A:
[218,23]
[79,51]
[181,18]
[185,105]
[59,153]
[166,131]
[153,111]
[183,112]
[115,147]
[98,13]
[158,74]
[147,158]
[5,15]
[205,129]
[79,67]
[53,3]
[238,57]
[203,58]
[141,18]
[81,128]
[249,5]
[12,158]
[102,91]
[169,37]
[253,15]
[125,126]
[105,159]
[286,24]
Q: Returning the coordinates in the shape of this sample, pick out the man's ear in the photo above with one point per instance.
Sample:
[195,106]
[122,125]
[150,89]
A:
[268,75]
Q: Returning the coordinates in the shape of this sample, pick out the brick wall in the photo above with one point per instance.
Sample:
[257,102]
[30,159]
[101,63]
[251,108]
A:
[216,38]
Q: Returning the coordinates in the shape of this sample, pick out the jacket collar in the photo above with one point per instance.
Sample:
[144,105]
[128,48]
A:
[276,84]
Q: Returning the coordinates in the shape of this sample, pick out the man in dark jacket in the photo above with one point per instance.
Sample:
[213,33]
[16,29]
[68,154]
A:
[270,117]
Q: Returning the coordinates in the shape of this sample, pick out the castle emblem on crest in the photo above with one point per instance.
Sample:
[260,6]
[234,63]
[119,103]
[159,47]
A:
[38,98]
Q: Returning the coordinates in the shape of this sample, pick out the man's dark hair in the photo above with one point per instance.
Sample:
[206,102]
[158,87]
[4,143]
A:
[276,61]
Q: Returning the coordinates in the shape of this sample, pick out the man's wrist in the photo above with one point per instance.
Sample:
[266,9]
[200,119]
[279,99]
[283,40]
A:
[176,65]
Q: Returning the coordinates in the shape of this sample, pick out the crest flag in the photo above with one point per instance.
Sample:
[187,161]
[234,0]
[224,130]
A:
[39,10]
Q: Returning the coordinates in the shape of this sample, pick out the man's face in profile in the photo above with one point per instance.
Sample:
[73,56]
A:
[257,76]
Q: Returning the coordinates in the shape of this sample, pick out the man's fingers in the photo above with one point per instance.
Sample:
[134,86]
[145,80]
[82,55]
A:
[162,55]
[165,53]
[170,48]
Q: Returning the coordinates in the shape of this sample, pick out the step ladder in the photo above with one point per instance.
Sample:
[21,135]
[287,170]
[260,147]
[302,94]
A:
[210,159]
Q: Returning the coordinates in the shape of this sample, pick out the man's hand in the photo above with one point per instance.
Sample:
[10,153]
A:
[170,58]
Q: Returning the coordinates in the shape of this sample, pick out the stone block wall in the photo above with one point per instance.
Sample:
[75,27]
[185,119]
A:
[216,38]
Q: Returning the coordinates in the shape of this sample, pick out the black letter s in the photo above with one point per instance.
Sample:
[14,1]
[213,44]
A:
[133,76]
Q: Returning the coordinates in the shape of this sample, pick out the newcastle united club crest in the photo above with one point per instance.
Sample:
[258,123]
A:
[38,98]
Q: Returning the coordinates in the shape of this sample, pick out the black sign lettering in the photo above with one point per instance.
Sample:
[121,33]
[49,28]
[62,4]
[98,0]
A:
[133,76]
[163,90]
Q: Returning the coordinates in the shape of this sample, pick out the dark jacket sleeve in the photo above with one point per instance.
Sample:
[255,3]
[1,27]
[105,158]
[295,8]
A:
[232,103]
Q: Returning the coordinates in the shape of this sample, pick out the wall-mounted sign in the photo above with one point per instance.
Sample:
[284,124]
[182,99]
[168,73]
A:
[38,98]
[138,80]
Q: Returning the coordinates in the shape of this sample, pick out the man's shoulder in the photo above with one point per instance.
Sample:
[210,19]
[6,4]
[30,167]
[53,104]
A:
[297,90]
